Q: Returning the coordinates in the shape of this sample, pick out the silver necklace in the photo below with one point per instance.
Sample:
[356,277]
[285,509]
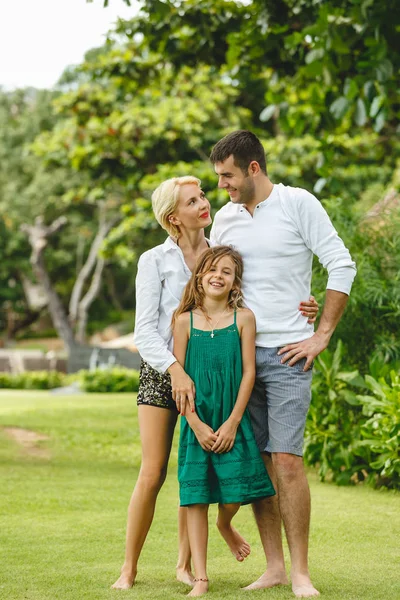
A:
[208,318]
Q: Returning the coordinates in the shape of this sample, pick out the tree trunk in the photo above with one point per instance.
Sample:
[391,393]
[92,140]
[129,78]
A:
[92,259]
[38,234]
[15,324]
[57,312]
[87,300]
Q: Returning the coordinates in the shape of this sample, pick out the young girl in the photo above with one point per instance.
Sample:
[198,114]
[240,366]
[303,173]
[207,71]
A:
[219,462]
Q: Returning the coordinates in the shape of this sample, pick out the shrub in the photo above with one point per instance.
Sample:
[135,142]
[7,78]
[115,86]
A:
[117,379]
[353,426]
[33,380]
[380,432]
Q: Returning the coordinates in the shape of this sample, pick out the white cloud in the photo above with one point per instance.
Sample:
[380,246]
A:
[39,38]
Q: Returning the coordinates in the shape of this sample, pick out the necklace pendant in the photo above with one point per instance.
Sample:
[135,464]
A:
[212,334]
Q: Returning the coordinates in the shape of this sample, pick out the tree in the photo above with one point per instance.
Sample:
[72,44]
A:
[340,59]
[23,114]
[32,195]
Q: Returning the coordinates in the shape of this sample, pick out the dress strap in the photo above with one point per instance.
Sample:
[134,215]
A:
[191,322]
[234,316]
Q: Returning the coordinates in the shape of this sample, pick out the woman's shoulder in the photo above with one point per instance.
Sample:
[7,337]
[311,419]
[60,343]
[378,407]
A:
[155,256]
[152,254]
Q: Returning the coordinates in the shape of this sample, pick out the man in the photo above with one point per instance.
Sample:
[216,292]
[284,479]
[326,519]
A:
[277,229]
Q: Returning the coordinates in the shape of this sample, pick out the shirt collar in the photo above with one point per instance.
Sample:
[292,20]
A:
[273,193]
[171,245]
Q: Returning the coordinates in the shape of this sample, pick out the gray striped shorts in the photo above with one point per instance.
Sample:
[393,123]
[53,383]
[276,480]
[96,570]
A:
[279,403]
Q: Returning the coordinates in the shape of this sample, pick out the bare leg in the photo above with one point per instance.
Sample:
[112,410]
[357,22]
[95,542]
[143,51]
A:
[268,519]
[156,432]
[237,544]
[183,568]
[295,505]
[197,521]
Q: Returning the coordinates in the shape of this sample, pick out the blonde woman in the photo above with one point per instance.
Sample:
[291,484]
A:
[182,209]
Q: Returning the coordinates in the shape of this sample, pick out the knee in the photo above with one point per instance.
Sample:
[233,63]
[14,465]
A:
[287,466]
[197,508]
[152,477]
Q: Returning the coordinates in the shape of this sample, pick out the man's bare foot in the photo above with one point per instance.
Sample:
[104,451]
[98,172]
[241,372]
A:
[269,579]
[185,576]
[200,587]
[237,544]
[302,586]
[125,581]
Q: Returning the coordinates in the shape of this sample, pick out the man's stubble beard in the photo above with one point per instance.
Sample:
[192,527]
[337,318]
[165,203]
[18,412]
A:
[247,193]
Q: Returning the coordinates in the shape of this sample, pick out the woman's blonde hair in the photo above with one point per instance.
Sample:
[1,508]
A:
[165,199]
[193,294]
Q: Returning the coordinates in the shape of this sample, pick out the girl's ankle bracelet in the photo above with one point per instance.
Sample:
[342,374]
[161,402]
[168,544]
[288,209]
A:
[200,579]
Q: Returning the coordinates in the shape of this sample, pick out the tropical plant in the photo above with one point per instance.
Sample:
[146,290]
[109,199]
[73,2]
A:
[352,435]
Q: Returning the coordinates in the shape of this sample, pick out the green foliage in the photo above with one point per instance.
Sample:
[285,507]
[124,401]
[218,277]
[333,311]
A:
[117,379]
[23,114]
[33,380]
[380,433]
[353,435]
[319,64]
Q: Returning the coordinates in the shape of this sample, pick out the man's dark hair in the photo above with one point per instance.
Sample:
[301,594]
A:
[244,147]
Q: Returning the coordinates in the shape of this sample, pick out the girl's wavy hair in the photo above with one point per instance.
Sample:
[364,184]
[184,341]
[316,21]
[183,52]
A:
[193,294]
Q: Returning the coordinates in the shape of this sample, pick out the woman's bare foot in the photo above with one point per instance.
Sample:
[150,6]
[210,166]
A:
[302,587]
[269,579]
[185,576]
[125,581]
[237,544]
[200,587]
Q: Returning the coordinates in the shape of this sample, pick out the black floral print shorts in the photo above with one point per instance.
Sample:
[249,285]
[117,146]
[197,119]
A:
[155,388]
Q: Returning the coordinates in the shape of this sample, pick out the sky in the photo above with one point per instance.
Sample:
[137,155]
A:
[39,38]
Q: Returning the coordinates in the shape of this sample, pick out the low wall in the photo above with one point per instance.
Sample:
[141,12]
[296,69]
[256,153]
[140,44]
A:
[89,357]
[80,357]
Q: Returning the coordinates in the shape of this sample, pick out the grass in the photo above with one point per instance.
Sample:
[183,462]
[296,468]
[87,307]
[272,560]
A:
[62,519]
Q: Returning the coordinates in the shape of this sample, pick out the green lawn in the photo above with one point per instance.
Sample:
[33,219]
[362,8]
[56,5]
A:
[62,518]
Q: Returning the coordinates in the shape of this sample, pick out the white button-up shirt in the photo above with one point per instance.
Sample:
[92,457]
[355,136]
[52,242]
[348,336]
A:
[277,244]
[161,278]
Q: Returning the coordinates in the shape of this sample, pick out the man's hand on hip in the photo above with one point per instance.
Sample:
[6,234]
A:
[308,349]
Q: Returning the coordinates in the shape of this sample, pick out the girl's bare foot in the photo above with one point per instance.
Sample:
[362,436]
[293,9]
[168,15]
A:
[237,544]
[200,587]
[185,576]
[125,581]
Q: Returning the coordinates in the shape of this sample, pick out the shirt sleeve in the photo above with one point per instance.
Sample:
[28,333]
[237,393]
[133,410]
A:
[151,345]
[323,240]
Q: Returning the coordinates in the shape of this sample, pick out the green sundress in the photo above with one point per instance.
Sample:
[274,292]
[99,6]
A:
[215,365]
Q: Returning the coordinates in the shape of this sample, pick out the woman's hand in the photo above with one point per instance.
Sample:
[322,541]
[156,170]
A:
[205,436]
[182,388]
[309,309]
[226,435]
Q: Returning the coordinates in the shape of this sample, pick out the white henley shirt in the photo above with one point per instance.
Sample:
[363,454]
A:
[277,244]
